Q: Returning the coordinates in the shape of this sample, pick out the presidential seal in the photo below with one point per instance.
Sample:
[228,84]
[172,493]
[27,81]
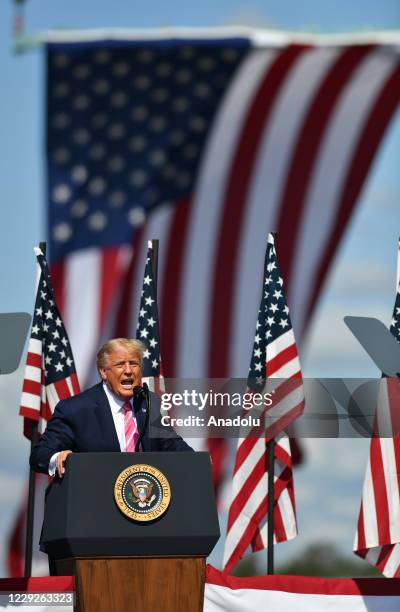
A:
[142,492]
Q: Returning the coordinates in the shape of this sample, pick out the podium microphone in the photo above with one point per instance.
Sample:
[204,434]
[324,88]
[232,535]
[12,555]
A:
[142,393]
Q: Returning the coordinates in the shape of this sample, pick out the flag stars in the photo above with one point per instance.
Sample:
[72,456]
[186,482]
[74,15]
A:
[257,339]
[277,294]
[258,366]
[148,300]
[153,343]
[274,307]
[144,333]
[55,334]
[151,322]
[46,327]
[257,353]
[154,363]
[48,360]
[35,329]
[142,312]
[68,361]
[146,354]
[59,367]
[58,322]
[147,280]
[270,321]
[64,341]
[39,311]
[52,347]
[48,314]
[284,323]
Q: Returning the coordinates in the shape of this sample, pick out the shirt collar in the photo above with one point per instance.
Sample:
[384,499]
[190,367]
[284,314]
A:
[115,402]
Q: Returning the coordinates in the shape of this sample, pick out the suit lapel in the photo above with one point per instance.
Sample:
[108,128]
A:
[106,421]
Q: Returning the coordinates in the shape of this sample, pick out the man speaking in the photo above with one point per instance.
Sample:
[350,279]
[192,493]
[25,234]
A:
[112,416]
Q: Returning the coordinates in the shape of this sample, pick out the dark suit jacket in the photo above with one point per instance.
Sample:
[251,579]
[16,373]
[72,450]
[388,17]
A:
[84,423]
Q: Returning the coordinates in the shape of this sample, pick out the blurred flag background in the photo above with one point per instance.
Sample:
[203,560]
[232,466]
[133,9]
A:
[207,145]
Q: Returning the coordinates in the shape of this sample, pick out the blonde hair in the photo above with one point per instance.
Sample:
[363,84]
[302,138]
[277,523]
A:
[130,344]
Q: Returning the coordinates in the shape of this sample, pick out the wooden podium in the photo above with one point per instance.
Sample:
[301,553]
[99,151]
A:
[120,564]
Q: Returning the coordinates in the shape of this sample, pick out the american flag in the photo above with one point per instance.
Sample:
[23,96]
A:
[378,530]
[275,357]
[49,376]
[148,329]
[205,140]
[50,373]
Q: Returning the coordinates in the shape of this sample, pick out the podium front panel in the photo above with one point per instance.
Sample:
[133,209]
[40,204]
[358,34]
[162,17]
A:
[82,518]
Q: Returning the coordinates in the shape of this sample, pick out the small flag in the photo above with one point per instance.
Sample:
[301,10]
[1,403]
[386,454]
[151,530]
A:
[274,356]
[50,374]
[378,530]
[148,328]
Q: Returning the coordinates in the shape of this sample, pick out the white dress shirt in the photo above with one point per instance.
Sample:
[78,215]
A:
[118,415]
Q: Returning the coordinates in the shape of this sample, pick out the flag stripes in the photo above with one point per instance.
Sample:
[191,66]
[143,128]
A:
[377,537]
[289,148]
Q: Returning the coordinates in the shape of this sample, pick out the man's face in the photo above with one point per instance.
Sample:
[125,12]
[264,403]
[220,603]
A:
[122,372]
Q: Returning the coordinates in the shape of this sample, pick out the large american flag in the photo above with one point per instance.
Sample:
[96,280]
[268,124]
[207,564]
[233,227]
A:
[207,141]
[274,356]
[378,530]
[50,374]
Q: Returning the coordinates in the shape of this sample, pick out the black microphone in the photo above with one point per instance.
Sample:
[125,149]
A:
[142,393]
[139,393]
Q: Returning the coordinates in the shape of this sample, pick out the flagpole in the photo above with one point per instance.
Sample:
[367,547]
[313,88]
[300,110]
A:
[31,488]
[270,466]
[154,261]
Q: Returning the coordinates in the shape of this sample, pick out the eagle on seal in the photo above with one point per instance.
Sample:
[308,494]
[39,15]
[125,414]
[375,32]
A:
[142,494]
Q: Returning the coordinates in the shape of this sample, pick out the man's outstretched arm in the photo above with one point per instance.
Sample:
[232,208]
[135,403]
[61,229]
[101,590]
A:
[58,436]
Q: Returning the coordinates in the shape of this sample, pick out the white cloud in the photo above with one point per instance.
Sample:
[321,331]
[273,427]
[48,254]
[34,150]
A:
[330,339]
[11,487]
[367,277]
[383,197]
[15,448]
[249,15]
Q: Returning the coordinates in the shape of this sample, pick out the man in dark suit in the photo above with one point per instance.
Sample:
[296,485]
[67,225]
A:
[111,416]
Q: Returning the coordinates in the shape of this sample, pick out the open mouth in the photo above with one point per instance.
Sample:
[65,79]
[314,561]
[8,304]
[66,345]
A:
[127,383]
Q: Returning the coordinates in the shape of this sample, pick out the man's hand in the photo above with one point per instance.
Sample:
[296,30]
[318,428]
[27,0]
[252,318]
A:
[60,460]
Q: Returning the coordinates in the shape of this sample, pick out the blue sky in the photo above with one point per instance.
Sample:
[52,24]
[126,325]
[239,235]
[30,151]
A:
[362,279]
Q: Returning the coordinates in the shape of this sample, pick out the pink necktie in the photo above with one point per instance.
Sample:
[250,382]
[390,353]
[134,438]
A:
[131,430]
